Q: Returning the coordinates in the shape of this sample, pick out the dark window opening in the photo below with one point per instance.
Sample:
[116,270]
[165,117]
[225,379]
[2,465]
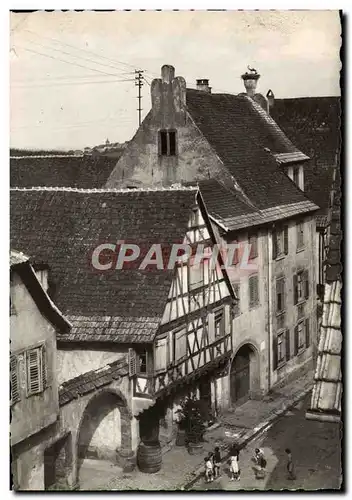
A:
[167,142]
[163,143]
[143,362]
[172,141]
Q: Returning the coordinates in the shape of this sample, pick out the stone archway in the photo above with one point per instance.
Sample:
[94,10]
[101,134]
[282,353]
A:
[105,430]
[244,374]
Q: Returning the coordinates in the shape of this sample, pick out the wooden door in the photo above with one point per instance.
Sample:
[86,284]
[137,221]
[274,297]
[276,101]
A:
[205,396]
[240,376]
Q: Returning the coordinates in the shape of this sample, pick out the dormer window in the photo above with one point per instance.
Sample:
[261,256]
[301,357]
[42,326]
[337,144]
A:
[167,142]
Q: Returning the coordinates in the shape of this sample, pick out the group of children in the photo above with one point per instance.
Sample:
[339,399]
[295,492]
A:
[213,464]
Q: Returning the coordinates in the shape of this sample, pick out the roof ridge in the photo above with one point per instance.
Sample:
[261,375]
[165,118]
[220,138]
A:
[106,190]
[44,156]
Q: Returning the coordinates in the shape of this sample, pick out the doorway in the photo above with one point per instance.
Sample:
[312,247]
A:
[240,376]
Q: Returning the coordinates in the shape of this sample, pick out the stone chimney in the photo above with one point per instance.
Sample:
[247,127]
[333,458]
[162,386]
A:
[203,84]
[250,80]
[271,98]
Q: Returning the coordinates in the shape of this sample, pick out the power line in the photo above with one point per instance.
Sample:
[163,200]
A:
[77,57]
[83,50]
[67,62]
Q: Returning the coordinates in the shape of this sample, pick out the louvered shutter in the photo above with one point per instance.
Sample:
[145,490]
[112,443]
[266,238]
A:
[33,371]
[256,290]
[296,341]
[288,344]
[275,353]
[283,297]
[286,240]
[295,289]
[306,284]
[274,244]
[15,390]
[307,332]
[132,362]
[44,368]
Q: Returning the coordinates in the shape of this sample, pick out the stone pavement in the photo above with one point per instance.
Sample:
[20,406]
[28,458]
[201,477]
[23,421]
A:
[181,470]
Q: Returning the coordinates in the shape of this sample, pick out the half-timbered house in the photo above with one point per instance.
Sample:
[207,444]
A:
[141,337]
[243,163]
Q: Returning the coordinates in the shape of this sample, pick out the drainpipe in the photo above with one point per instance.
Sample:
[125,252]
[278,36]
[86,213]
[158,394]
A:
[269,307]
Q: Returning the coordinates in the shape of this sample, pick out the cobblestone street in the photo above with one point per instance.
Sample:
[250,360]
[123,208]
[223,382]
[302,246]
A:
[315,446]
[316,452]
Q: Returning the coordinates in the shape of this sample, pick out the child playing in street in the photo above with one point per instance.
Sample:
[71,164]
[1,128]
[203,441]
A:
[290,469]
[234,468]
[217,462]
[208,469]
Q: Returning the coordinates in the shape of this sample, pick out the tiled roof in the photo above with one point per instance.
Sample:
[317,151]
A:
[313,124]
[326,396]
[90,381]
[63,171]
[246,139]
[62,227]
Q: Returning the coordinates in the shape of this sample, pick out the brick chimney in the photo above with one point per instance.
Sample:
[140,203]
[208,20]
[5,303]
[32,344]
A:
[250,80]
[203,84]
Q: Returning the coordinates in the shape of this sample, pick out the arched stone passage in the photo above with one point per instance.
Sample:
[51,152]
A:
[244,374]
[105,430]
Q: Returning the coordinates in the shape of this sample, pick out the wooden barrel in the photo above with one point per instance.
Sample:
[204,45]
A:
[149,457]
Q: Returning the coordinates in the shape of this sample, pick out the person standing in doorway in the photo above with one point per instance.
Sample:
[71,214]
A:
[290,469]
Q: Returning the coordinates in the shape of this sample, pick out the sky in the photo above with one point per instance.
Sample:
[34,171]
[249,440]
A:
[72,74]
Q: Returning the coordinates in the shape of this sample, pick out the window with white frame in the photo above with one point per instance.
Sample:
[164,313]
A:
[300,286]
[280,295]
[280,242]
[300,234]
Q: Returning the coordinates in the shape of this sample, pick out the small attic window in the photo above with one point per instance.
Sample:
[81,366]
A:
[167,142]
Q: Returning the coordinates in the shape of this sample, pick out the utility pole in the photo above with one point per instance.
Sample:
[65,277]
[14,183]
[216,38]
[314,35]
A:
[139,84]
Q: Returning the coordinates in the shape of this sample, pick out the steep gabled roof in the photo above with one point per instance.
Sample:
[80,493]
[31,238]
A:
[246,139]
[62,227]
[313,124]
[85,172]
[21,265]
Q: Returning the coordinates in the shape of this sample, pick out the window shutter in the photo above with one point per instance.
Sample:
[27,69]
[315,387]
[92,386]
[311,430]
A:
[33,371]
[274,244]
[296,341]
[295,290]
[132,362]
[283,297]
[288,345]
[286,240]
[307,333]
[15,390]
[44,368]
[306,284]
[275,353]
